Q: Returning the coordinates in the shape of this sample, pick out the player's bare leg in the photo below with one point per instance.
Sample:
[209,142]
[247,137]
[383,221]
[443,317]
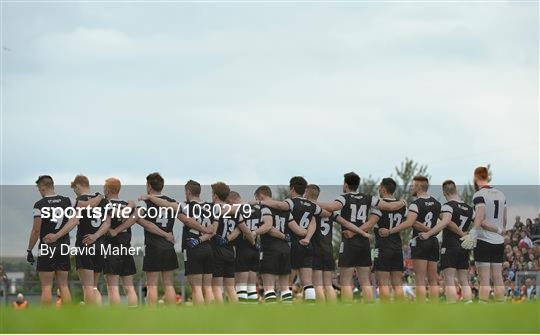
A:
[217,289]
[112,288]
[484,273]
[383,282]
[252,287]
[207,288]
[306,278]
[363,273]
[195,281]
[241,280]
[284,288]
[46,279]
[450,284]
[420,272]
[269,286]
[63,286]
[168,287]
[129,290]
[152,279]
[463,277]
[97,294]
[433,280]
[397,284]
[87,281]
[498,282]
[319,285]
[346,283]
[230,290]
[329,292]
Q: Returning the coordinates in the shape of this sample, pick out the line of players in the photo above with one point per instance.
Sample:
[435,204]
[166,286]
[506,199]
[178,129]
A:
[224,254]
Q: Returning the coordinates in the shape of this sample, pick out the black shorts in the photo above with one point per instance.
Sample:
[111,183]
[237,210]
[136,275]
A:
[301,256]
[486,252]
[276,261]
[121,265]
[247,259]
[57,263]
[89,257]
[158,259]
[324,262]
[455,258]
[223,267]
[199,260]
[354,252]
[425,249]
[388,260]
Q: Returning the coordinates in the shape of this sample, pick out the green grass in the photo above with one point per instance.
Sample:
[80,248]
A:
[358,318]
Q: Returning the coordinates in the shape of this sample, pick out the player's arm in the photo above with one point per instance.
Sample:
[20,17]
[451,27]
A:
[193,224]
[72,223]
[334,206]
[234,234]
[409,222]
[390,205]
[296,229]
[281,205]
[274,232]
[370,223]
[152,228]
[325,213]
[350,226]
[104,228]
[92,202]
[266,226]
[160,202]
[453,227]
[34,233]
[130,221]
[312,226]
[419,226]
[446,219]
[244,229]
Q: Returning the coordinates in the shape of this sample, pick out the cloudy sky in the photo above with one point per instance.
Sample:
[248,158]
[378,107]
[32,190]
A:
[255,93]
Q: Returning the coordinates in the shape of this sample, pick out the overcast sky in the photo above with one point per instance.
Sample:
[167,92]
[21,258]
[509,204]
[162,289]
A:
[256,93]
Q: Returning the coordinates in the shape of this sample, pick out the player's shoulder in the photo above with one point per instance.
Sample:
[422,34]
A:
[169,199]
[118,202]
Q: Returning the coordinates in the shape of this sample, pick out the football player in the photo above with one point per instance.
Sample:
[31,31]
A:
[46,228]
[159,254]
[118,266]
[487,235]
[355,249]
[456,217]
[196,217]
[388,260]
[422,216]
[275,264]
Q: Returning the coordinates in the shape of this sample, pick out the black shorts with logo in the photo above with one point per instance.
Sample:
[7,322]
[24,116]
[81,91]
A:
[454,257]
[199,260]
[354,252]
[425,249]
[247,259]
[159,259]
[486,252]
[388,259]
[301,256]
[276,260]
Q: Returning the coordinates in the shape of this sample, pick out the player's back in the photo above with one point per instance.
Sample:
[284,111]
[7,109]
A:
[462,216]
[322,239]
[428,210]
[252,221]
[162,217]
[200,212]
[356,208]
[123,238]
[302,210]
[91,218]
[389,220]
[279,220]
[494,202]
[51,204]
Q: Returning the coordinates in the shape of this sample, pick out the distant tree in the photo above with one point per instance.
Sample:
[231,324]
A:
[370,185]
[282,193]
[404,176]
[468,190]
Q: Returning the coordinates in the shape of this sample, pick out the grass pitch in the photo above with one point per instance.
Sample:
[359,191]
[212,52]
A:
[298,318]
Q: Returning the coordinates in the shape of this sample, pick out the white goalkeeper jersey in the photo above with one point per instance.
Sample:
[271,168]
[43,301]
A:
[494,202]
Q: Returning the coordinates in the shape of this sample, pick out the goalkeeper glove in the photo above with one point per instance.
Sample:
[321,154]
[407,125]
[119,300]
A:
[193,242]
[220,240]
[469,240]
[30,257]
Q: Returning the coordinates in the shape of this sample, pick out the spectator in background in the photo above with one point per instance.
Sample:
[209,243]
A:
[525,241]
[518,224]
[20,303]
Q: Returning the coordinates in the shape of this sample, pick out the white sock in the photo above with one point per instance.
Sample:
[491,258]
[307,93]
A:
[309,293]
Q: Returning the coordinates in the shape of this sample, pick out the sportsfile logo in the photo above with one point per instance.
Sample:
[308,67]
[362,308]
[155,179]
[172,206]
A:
[198,211]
